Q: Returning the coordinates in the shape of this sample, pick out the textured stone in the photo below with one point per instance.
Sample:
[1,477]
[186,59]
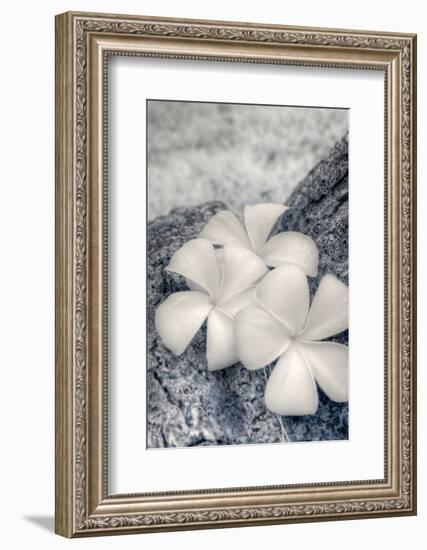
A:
[186,404]
[319,208]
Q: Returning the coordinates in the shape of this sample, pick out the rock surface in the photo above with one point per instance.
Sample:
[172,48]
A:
[186,404]
[319,208]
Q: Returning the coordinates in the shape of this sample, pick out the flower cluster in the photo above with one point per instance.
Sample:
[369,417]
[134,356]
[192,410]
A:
[258,315]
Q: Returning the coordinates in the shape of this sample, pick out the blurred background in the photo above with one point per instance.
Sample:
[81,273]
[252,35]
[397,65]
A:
[239,154]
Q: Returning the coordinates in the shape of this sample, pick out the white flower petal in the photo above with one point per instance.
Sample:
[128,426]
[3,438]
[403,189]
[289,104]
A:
[225,228]
[196,260]
[329,310]
[194,286]
[294,248]
[285,294]
[221,348]
[260,338]
[219,253]
[290,388]
[241,269]
[179,317]
[239,301]
[259,221]
[329,364]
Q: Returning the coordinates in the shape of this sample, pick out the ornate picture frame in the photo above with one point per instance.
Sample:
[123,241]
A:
[84,42]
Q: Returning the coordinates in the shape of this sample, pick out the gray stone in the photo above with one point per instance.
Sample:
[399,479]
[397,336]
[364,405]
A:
[319,208]
[186,404]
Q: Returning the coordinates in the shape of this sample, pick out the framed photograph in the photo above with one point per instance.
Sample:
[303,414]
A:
[235,274]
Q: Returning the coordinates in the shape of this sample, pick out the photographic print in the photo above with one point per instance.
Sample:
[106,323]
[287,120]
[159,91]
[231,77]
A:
[247,289]
[204,294]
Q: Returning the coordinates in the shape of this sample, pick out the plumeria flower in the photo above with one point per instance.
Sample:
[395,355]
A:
[224,228]
[283,327]
[219,289]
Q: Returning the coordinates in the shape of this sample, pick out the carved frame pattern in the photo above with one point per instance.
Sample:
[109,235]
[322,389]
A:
[83,506]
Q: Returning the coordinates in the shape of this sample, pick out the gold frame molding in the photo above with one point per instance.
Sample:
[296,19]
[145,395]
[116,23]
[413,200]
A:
[83,43]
